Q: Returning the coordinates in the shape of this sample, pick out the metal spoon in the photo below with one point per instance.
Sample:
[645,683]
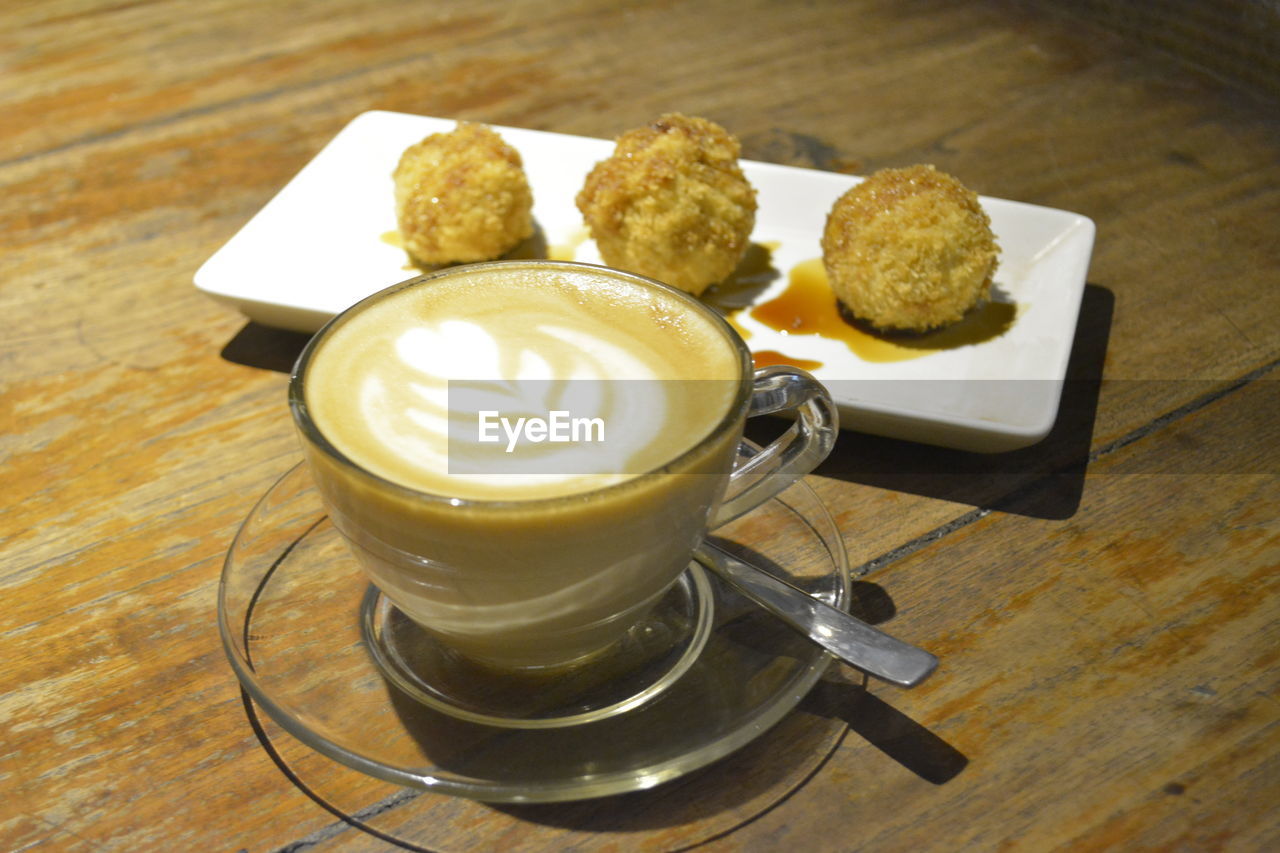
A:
[848,638]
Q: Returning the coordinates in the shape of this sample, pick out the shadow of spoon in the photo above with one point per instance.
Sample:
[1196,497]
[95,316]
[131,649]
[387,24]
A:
[848,638]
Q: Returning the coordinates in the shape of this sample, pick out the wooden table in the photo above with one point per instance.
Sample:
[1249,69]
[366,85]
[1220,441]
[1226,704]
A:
[1103,603]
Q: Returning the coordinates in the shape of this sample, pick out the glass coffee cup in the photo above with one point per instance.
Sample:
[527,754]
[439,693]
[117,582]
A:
[539,568]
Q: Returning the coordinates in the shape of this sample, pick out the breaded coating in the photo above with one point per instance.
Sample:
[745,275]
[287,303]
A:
[909,249]
[672,203]
[462,196]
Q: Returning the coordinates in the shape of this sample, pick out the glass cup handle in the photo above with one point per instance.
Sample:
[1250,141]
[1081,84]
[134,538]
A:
[794,453]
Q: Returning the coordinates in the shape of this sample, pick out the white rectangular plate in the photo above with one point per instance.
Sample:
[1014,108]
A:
[320,245]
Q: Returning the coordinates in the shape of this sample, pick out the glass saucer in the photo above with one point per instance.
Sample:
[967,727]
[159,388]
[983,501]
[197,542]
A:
[650,657]
[294,613]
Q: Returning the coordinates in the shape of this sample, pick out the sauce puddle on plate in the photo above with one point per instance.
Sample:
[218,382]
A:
[770,357]
[808,307]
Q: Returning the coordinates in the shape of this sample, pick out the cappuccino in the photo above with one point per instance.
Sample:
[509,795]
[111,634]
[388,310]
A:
[433,381]
[511,568]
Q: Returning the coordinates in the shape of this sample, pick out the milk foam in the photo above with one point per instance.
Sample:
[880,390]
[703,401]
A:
[379,386]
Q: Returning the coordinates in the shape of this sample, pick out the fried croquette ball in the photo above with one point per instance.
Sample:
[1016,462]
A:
[672,203]
[462,196]
[909,249]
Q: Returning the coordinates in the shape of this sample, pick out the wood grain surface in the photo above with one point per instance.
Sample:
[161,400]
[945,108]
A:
[1104,603]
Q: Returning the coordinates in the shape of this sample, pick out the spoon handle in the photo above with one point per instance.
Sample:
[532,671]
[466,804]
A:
[848,638]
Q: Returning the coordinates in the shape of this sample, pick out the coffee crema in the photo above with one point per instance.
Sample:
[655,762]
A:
[400,387]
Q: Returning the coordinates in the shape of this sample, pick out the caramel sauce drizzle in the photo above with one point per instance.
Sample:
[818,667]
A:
[808,307]
[770,357]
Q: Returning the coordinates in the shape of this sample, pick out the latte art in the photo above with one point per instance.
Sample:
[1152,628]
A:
[416,388]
